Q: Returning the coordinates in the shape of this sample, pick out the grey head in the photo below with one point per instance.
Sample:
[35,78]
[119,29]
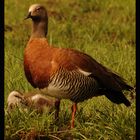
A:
[38,14]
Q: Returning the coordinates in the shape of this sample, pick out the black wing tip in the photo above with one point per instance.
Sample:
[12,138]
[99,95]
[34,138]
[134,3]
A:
[117,97]
[127,103]
[128,87]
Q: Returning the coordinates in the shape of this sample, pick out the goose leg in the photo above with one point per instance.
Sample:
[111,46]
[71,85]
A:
[74,108]
[57,106]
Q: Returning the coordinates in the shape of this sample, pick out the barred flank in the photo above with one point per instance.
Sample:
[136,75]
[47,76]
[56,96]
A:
[75,85]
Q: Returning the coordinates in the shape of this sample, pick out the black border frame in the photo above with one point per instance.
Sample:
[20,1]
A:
[1,70]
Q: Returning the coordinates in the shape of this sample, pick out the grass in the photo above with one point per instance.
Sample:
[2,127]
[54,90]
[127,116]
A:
[103,29]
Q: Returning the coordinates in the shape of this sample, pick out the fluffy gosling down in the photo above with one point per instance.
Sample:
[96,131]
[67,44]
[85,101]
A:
[27,101]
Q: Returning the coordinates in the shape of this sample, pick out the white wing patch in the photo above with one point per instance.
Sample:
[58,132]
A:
[84,72]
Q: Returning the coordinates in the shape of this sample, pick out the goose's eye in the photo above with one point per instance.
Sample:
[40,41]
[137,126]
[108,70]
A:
[38,9]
